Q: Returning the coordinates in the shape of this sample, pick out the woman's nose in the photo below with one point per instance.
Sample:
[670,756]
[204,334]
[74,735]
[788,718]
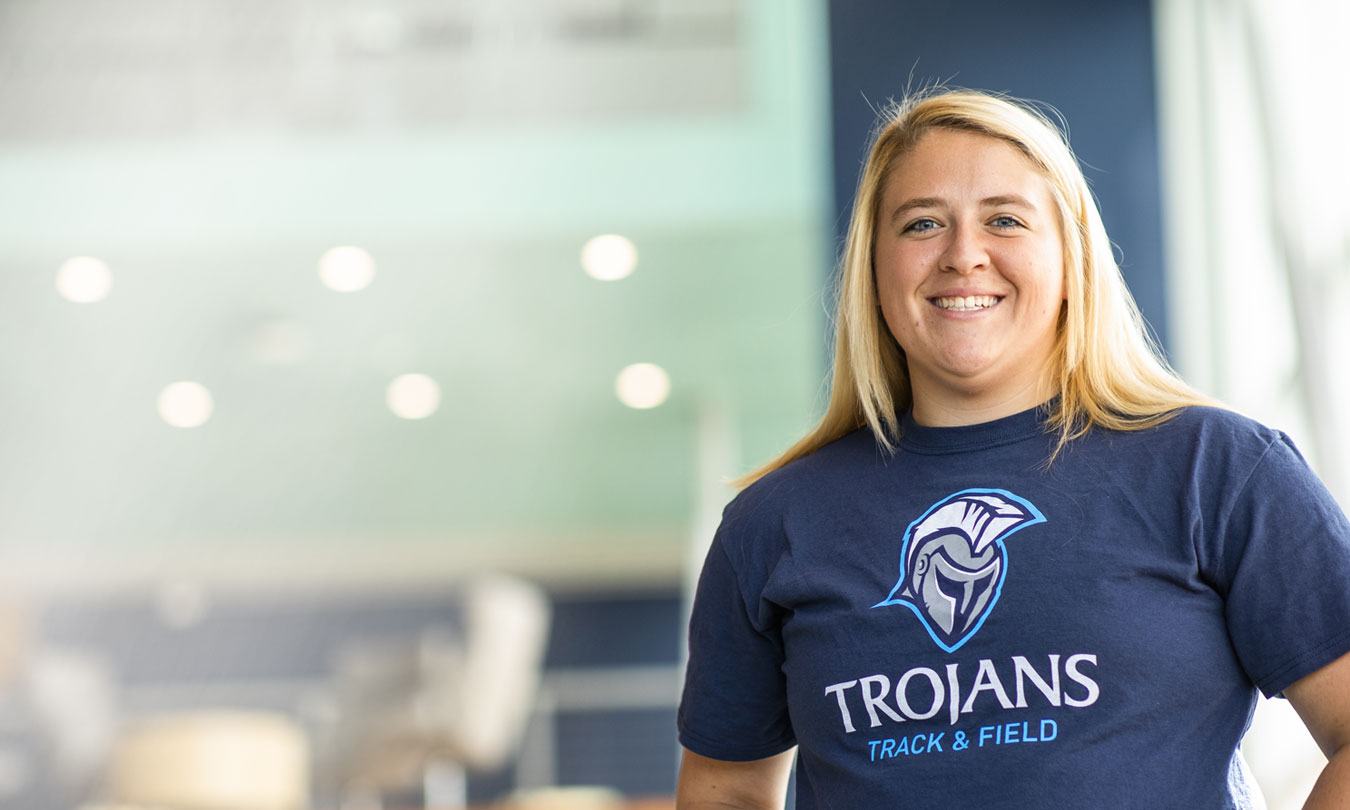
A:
[965,251]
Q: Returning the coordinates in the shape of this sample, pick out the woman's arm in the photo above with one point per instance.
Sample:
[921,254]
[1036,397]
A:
[712,784]
[1322,699]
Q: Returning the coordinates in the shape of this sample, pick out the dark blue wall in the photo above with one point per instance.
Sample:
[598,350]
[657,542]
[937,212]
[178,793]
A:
[1092,61]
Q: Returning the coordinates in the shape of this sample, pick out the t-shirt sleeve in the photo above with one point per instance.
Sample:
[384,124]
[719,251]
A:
[1287,558]
[734,706]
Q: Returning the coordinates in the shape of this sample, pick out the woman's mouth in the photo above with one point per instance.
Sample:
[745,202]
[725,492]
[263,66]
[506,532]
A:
[966,303]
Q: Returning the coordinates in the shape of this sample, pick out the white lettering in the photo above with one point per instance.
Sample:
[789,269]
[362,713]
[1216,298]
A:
[954,689]
[986,680]
[1067,681]
[1071,669]
[872,702]
[1024,671]
[902,693]
[838,690]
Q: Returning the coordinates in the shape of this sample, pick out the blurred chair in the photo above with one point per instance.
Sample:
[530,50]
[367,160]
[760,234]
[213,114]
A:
[211,760]
[72,696]
[414,713]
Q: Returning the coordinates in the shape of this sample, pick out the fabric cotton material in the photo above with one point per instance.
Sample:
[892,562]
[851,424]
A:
[961,625]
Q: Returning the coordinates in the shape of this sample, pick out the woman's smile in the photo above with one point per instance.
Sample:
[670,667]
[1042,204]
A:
[965,303]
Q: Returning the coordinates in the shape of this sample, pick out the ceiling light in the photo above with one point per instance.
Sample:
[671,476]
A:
[642,385]
[609,257]
[84,280]
[185,404]
[346,269]
[413,396]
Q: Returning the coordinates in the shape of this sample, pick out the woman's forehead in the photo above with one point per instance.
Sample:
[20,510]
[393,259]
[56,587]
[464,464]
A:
[958,166]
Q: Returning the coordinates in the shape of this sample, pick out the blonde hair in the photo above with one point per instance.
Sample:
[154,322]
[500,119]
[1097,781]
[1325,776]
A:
[1107,370]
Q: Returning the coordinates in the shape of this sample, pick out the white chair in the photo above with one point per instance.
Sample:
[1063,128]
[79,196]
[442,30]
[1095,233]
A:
[417,712]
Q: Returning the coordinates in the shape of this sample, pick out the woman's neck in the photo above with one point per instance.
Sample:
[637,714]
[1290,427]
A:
[974,409]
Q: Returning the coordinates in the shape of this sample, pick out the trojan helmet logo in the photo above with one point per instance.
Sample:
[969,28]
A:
[953,561]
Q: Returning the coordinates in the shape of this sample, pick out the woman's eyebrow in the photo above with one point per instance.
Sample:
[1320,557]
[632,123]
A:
[917,202]
[937,202]
[1006,199]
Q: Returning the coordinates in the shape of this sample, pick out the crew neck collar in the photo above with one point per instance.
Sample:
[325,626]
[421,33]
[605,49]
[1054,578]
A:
[964,438]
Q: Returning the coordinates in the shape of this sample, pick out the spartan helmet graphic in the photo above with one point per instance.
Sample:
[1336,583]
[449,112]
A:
[953,561]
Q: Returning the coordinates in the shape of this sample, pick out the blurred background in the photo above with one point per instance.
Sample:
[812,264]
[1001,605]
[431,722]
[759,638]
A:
[372,368]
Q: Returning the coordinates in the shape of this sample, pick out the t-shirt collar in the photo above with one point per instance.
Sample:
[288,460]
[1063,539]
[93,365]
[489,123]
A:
[964,438]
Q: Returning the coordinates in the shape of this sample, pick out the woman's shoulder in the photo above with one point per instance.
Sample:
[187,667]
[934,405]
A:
[1200,441]
[1211,424]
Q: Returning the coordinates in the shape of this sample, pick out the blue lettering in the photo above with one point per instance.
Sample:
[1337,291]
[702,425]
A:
[917,744]
[1015,732]
[1018,731]
[916,741]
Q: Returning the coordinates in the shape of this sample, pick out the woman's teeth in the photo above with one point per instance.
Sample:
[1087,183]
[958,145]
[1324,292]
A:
[967,303]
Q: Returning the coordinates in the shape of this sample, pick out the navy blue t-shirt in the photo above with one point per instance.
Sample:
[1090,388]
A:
[961,625]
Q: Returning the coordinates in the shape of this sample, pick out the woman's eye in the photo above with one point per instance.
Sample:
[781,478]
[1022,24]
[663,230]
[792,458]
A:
[920,225]
[1006,222]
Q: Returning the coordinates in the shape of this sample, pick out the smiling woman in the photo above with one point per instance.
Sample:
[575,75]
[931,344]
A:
[970,276]
[1104,369]
[1094,560]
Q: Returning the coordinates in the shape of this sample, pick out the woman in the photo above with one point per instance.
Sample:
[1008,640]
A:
[1018,563]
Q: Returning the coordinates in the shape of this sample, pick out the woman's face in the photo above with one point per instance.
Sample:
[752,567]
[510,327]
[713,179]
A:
[969,267]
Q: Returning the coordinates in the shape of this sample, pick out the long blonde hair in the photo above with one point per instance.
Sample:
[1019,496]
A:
[1107,370]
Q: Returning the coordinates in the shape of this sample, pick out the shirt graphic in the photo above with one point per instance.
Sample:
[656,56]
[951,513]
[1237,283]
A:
[953,561]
